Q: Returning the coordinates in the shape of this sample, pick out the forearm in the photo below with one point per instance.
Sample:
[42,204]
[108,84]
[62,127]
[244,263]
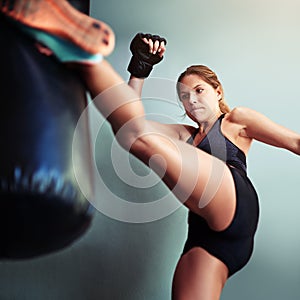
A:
[136,84]
[147,50]
[298,147]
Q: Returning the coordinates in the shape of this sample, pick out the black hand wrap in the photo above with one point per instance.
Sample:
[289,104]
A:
[142,60]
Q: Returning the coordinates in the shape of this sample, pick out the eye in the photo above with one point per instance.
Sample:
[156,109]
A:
[199,90]
[184,97]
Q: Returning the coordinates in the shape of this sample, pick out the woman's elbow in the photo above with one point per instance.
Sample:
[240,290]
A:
[294,146]
[298,146]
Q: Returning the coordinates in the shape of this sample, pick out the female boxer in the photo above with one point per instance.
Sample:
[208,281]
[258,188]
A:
[204,166]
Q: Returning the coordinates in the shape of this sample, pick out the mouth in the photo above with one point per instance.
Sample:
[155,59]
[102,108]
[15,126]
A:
[197,109]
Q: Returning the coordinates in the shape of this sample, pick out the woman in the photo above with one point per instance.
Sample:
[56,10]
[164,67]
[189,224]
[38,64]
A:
[224,220]
[211,239]
[204,167]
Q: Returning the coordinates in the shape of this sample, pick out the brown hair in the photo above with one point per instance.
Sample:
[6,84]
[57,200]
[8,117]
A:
[208,76]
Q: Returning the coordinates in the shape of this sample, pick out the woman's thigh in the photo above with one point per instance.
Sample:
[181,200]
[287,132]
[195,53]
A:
[199,275]
[201,181]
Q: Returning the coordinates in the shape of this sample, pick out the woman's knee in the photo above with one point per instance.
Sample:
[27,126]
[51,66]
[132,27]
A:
[130,135]
[138,139]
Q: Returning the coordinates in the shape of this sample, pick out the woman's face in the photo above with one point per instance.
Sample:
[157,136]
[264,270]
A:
[200,99]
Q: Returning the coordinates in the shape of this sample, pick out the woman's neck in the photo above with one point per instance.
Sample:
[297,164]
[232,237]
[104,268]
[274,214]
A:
[206,125]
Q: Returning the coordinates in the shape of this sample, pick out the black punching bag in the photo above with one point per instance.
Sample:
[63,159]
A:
[42,208]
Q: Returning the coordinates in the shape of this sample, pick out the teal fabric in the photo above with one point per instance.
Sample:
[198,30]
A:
[64,50]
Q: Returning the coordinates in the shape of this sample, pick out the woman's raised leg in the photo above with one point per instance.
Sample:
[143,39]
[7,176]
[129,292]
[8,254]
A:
[201,181]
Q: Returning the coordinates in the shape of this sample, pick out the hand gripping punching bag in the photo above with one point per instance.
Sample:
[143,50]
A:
[42,208]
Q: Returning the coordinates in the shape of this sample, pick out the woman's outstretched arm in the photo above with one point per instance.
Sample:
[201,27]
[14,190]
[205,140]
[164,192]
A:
[259,127]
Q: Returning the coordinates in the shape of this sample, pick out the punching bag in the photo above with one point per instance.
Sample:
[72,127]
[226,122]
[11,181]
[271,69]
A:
[42,208]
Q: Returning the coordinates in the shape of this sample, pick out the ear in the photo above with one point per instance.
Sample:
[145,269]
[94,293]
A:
[219,93]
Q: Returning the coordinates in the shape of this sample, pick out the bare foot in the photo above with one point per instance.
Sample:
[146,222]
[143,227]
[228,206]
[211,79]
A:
[59,18]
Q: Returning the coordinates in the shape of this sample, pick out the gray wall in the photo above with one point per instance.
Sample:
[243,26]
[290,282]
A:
[254,47]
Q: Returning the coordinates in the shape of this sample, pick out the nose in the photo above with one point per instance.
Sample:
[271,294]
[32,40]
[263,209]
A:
[192,97]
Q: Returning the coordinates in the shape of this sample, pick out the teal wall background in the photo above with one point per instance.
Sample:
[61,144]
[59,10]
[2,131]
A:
[254,47]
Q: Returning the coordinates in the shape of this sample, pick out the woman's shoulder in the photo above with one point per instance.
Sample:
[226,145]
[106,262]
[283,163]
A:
[238,114]
[243,118]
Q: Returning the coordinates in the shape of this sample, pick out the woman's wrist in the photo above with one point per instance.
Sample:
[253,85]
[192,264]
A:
[136,84]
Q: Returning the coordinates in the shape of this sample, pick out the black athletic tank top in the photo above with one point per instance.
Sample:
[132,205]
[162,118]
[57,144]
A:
[216,144]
